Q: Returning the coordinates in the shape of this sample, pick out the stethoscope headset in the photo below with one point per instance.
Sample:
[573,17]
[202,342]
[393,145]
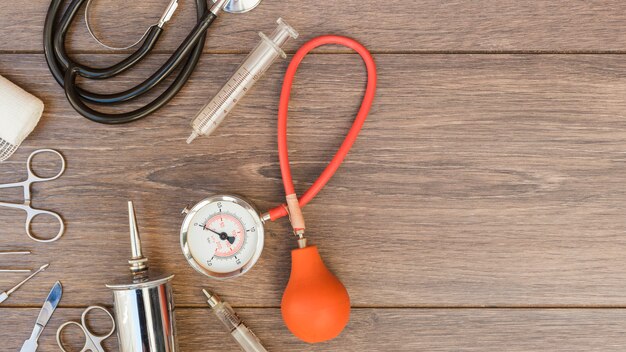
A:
[65,70]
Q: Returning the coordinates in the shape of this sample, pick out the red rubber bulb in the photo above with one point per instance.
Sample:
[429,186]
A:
[315,305]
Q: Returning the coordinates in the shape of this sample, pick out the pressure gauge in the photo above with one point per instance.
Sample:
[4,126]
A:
[222,236]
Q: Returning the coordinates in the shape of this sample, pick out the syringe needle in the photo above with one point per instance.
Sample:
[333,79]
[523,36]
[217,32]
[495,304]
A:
[192,137]
[246,339]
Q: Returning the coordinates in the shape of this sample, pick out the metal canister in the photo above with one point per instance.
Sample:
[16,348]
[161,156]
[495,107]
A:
[143,303]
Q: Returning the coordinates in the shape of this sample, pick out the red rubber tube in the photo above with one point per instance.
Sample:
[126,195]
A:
[283,153]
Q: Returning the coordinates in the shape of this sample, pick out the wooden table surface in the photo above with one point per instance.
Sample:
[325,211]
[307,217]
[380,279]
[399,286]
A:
[483,207]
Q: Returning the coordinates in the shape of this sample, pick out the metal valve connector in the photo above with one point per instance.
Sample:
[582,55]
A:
[302,242]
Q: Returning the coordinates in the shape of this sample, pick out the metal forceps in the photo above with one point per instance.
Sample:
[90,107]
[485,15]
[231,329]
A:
[30,211]
[93,342]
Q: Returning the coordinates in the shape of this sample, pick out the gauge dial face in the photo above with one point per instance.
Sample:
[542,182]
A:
[222,236]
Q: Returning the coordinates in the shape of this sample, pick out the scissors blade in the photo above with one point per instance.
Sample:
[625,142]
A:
[51,303]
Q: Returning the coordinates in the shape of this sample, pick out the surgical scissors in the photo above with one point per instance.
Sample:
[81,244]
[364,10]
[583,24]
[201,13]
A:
[30,211]
[93,342]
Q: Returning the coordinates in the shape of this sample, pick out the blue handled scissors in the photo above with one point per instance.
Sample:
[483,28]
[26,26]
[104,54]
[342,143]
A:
[30,211]
[93,342]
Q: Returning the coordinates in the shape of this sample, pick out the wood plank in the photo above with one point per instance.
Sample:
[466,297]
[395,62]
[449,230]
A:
[490,180]
[395,25]
[381,330]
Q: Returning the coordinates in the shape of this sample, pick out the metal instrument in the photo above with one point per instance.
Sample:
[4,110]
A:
[240,83]
[246,339]
[26,206]
[93,342]
[48,308]
[143,303]
[15,252]
[222,236]
[240,6]
[6,294]
[14,270]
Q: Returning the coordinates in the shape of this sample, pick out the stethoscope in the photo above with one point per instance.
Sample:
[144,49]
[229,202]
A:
[66,71]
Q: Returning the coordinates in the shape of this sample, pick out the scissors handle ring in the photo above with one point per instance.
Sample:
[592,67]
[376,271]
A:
[31,174]
[83,320]
[30,215]
[93,342]
[62,327]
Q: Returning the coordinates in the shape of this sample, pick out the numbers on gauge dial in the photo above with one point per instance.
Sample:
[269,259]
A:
[223,237]
[227,233]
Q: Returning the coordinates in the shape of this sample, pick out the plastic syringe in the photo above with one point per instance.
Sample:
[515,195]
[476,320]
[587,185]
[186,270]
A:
[240,83]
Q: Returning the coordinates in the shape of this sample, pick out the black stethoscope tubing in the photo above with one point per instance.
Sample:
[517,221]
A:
[65,70]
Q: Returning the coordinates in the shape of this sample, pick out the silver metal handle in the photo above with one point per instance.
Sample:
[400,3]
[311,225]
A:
[62,327]
[29,346]
[93,342]
[83,319]
[31,213]
[32,176]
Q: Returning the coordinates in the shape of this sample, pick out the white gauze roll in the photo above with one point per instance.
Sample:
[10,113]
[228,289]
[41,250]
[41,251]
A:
[19,114]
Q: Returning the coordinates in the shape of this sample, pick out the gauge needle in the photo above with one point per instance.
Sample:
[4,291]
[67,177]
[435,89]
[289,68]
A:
[223,236]
[215,232]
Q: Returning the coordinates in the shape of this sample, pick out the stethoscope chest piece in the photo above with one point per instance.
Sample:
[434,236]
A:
[222,236]
[239,6]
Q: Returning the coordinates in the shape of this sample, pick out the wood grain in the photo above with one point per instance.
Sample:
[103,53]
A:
[478,180]
[481,209]
[401,330]
[394,25]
